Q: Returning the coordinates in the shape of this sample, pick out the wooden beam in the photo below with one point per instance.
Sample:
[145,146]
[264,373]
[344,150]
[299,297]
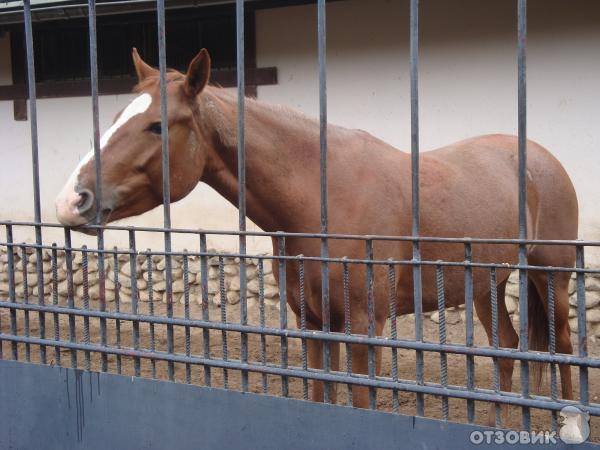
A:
[81,88]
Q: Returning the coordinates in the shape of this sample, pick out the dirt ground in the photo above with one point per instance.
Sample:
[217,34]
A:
[484,369]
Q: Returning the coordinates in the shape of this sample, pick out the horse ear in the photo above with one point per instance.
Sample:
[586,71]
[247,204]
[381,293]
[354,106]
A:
[142,69]
[198,73]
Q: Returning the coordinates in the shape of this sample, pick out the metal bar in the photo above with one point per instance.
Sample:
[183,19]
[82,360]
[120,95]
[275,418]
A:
[70,295]
[522,144]
[151,308]
[350,261]
[134,299]
[393,298]
[361,237]
[55,317]
[241,92]
[35,165]
[97,166]
[283,315]
[205,313]
[347,325]
[319,375]
[118,308]
[371,325]
[24,259]
[469,341]
[321,336]
[441,298]
[582,327]
[162,59]
[11,289]
[325,313]
[302,326]
[414,138]
[223,306]
[186,312]
[86,306]
[261,312]
[552,344]
[495,339]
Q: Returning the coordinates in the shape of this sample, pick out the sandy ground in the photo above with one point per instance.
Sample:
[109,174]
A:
[406,359]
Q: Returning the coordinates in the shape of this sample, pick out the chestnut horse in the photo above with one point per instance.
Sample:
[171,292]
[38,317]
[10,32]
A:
[467,189]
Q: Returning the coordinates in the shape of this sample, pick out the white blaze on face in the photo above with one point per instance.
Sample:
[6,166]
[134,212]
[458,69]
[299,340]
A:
[67,201]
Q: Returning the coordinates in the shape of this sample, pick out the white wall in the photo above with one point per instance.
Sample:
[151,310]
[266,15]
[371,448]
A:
[467,87]
[467,74]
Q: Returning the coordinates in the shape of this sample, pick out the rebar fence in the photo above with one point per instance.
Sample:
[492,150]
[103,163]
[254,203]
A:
[242,321]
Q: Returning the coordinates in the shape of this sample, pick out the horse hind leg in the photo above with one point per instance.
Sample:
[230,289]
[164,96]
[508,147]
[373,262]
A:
[561,320]
[507,338]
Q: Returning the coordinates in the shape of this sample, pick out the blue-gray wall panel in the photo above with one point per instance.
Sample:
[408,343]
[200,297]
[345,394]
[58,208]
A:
[43,407]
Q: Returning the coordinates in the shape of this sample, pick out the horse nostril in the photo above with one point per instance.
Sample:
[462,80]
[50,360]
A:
[86,202]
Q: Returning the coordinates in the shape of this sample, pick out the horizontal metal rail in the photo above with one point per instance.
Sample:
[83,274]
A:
[362,237]
[318,375]
[342,260]
[329,336]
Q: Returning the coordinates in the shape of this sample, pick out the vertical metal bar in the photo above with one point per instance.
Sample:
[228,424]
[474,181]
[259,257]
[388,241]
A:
[25,299]
[322,44]
[151,307]
[347,325]
[241,90]
[35,168]
[261,313]
[441,298]
[522,144]
[552,345]
[56,317]
[162,59]
[283,313]
[393,331]
[70,294]
[97,168]
[205,314]
[118,306]
[10,252]
[86,305]
[371,324]
[186,308]
[223,304]
[303,327]
[134,299]
[469,330]
[495,339]
[584,396]
[414,135]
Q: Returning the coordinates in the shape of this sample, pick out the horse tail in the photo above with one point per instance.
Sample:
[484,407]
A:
[538,332]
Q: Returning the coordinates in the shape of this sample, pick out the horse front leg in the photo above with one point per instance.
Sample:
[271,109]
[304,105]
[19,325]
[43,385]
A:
[315,361]
[360,363]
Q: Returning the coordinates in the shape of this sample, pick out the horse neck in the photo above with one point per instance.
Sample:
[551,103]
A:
[282,160]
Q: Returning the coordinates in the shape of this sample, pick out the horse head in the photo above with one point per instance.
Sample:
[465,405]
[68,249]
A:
[131,150]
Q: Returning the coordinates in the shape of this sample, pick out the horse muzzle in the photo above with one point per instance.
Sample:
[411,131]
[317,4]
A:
[76,207]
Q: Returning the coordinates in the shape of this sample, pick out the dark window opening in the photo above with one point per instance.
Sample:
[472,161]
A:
[62,48]
[62,61]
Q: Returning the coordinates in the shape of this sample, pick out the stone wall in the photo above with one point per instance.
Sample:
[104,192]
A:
[147,282]
[231,267]
[592,303]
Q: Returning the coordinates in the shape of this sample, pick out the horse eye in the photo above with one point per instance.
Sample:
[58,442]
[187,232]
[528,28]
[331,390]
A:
[155,128]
